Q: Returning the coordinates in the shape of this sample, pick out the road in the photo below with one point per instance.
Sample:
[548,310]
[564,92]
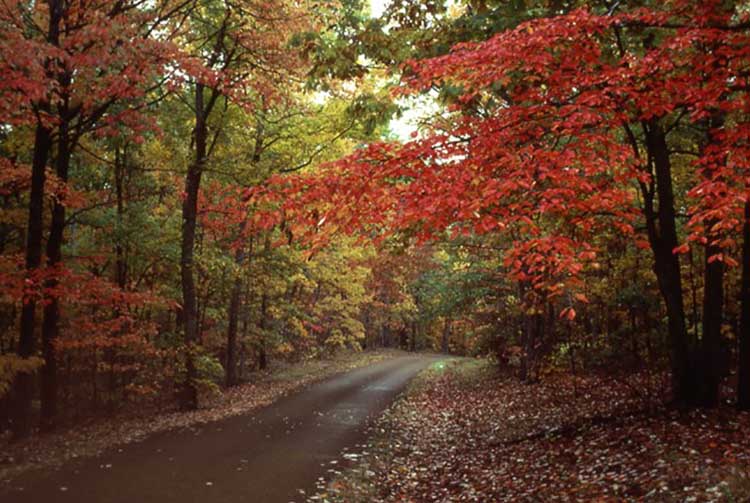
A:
[264,457]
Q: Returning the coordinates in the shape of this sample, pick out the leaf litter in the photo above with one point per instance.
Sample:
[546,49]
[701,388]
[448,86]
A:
[463,432]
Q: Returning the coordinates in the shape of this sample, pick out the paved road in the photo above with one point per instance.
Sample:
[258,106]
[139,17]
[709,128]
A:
[264,457]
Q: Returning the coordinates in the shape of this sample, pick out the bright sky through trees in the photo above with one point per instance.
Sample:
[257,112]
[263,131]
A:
[377,7]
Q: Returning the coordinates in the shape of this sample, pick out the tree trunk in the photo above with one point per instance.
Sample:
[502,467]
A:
[445,346]
[235,298]
[413,339]
[663,240]
[230,371]
[526,331]
[51,322]
[743,374]
[709,360]
[23,387]
[24,382]
[262,356]
[246,322]
[121,265]
[707,393]
[189,218]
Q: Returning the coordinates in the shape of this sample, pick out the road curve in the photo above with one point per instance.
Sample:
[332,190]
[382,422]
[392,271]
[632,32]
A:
[263,457]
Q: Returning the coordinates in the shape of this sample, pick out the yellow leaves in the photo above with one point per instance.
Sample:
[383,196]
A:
[456,10]
[12,365]
[284,348]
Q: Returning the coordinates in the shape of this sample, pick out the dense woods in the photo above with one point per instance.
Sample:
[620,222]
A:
[190,189]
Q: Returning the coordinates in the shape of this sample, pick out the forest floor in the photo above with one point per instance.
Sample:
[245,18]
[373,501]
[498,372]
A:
[462,432]
[55,448]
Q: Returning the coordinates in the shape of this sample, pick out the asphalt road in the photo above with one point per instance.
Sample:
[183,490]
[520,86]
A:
[263,457]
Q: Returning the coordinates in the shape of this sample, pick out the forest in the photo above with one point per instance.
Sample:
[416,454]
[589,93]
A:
[193,192]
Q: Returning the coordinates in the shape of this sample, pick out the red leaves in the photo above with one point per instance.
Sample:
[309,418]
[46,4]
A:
[547,165]
[683,248]
[568,313]
[581,298]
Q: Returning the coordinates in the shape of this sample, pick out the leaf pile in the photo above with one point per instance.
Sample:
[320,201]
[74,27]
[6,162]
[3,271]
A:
[463,433]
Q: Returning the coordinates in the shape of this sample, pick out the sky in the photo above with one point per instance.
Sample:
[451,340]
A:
[377,7]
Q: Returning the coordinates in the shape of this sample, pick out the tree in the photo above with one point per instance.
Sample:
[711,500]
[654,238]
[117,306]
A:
[87,63]
[239,50]
[570,128]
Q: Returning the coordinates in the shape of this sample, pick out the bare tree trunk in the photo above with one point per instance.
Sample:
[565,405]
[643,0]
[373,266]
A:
[24,382]
[662,233]
[236,295]
[523,371]
[445,346]
[51,322]
[189,220]
[413,339]
[121,265]
[743,385]
[230,371]
[262,356]
[710,355]
[23,387]
[709,360]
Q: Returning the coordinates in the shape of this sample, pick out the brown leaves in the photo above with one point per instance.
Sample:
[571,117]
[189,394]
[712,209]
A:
[465,434]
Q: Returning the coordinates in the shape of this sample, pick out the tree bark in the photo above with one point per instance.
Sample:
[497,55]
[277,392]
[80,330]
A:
[663,240]
[445,346]
[707,393]
[189,399]
[262,356]
[24,382]
[121,264]
[743,374]
[51,322]
[236,295]
[710,359]
[230,371]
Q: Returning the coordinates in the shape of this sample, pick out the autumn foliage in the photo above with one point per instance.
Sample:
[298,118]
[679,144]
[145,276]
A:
[561,131]
[177,208]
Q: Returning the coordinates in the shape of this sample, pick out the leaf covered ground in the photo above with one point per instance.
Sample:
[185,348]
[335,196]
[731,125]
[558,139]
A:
[464,433]
[53,449]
